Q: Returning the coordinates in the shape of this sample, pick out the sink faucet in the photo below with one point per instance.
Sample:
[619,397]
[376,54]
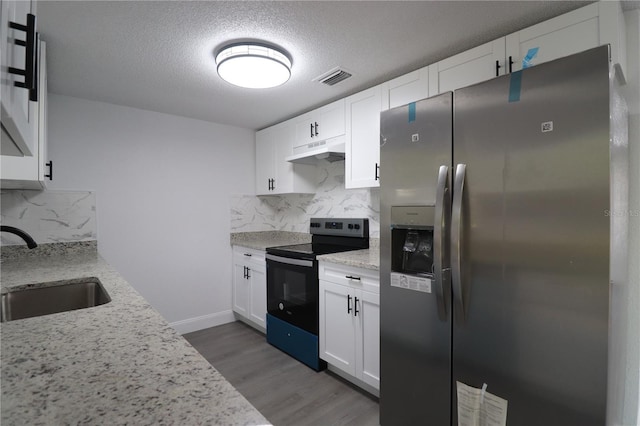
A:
[20,233]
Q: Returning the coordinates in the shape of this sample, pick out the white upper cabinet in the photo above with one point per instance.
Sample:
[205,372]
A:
[362,142]
[357,117]
[19,115]
[409,88]
[320,124]
[265,159]
[585,28]
[274,174]
[31,171]
[470,67]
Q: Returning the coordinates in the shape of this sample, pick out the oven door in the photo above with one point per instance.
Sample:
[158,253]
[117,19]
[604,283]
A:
[292,291]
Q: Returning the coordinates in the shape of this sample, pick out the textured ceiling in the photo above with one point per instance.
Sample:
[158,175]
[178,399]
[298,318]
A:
[159,55]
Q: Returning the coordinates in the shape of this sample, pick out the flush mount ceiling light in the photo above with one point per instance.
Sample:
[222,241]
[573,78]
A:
[252,65]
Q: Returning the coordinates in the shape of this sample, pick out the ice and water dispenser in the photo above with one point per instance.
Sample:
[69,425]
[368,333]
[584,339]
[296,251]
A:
[412,247]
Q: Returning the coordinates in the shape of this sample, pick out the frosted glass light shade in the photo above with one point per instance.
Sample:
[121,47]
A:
[253,66]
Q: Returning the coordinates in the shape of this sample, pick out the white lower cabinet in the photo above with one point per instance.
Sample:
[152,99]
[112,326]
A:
[250,286]
[350,321]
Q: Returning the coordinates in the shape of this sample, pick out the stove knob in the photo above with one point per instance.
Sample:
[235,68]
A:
[350,226]
[356,226]
[281,306]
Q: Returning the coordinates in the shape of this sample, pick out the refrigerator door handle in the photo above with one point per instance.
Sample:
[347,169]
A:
[457,237]
[440,229]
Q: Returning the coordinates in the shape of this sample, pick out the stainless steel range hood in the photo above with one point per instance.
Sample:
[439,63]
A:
[329,149]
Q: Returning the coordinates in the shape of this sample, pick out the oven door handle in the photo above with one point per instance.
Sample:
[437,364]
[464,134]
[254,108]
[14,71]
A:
[289,261]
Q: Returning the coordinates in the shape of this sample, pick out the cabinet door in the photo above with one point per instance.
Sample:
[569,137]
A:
[409,88]
[368,338]
[320,124]
[283,178]
[362,147]
[304,129]
[265,160]
[28,172]
[18,114]
[258,296]
[43,118]
[558,37]
[337,326]
[274,174]
[464,69]
[240,289]
[331,120]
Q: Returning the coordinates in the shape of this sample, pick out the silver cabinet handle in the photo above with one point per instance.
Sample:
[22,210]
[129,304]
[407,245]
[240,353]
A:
[457,241]
[441,268]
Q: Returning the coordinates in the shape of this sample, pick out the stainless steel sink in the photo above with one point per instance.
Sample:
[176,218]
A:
[51,298]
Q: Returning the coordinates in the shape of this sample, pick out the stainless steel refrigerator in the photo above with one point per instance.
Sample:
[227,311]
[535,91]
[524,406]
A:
[496,248]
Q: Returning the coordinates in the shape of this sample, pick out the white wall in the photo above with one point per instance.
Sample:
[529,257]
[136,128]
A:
[162,186]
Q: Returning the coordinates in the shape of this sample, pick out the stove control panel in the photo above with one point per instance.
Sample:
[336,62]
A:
[340,227]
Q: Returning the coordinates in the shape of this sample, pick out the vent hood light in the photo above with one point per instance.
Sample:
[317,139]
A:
[254,66]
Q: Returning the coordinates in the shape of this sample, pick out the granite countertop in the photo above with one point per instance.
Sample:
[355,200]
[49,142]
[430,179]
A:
[262,240]
[118,363]
[368,258]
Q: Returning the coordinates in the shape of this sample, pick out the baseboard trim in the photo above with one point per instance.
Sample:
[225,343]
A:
[205,321]
[357,382]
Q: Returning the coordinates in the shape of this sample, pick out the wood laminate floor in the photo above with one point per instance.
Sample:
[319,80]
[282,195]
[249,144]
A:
[283,389]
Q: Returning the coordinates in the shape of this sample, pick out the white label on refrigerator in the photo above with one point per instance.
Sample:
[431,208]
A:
[477,407]
[547,126]
[411,282]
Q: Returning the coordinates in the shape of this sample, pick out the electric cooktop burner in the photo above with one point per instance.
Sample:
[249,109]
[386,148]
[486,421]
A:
[328,236]
[312,249]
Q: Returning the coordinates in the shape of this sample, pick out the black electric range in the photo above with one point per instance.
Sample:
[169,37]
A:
[292,285]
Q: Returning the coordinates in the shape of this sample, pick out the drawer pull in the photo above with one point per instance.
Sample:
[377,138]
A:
[248,254]
[351,277]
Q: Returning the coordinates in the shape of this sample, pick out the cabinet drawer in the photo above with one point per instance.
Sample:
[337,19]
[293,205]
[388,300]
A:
[359,278]
[295,341]
[249,254]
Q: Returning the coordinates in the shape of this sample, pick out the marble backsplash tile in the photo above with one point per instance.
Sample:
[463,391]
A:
[291,212]
[49,216]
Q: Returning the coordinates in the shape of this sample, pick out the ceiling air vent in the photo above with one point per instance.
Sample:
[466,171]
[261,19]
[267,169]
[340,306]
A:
[333,77]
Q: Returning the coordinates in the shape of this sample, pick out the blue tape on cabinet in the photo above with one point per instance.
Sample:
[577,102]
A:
[531,53]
